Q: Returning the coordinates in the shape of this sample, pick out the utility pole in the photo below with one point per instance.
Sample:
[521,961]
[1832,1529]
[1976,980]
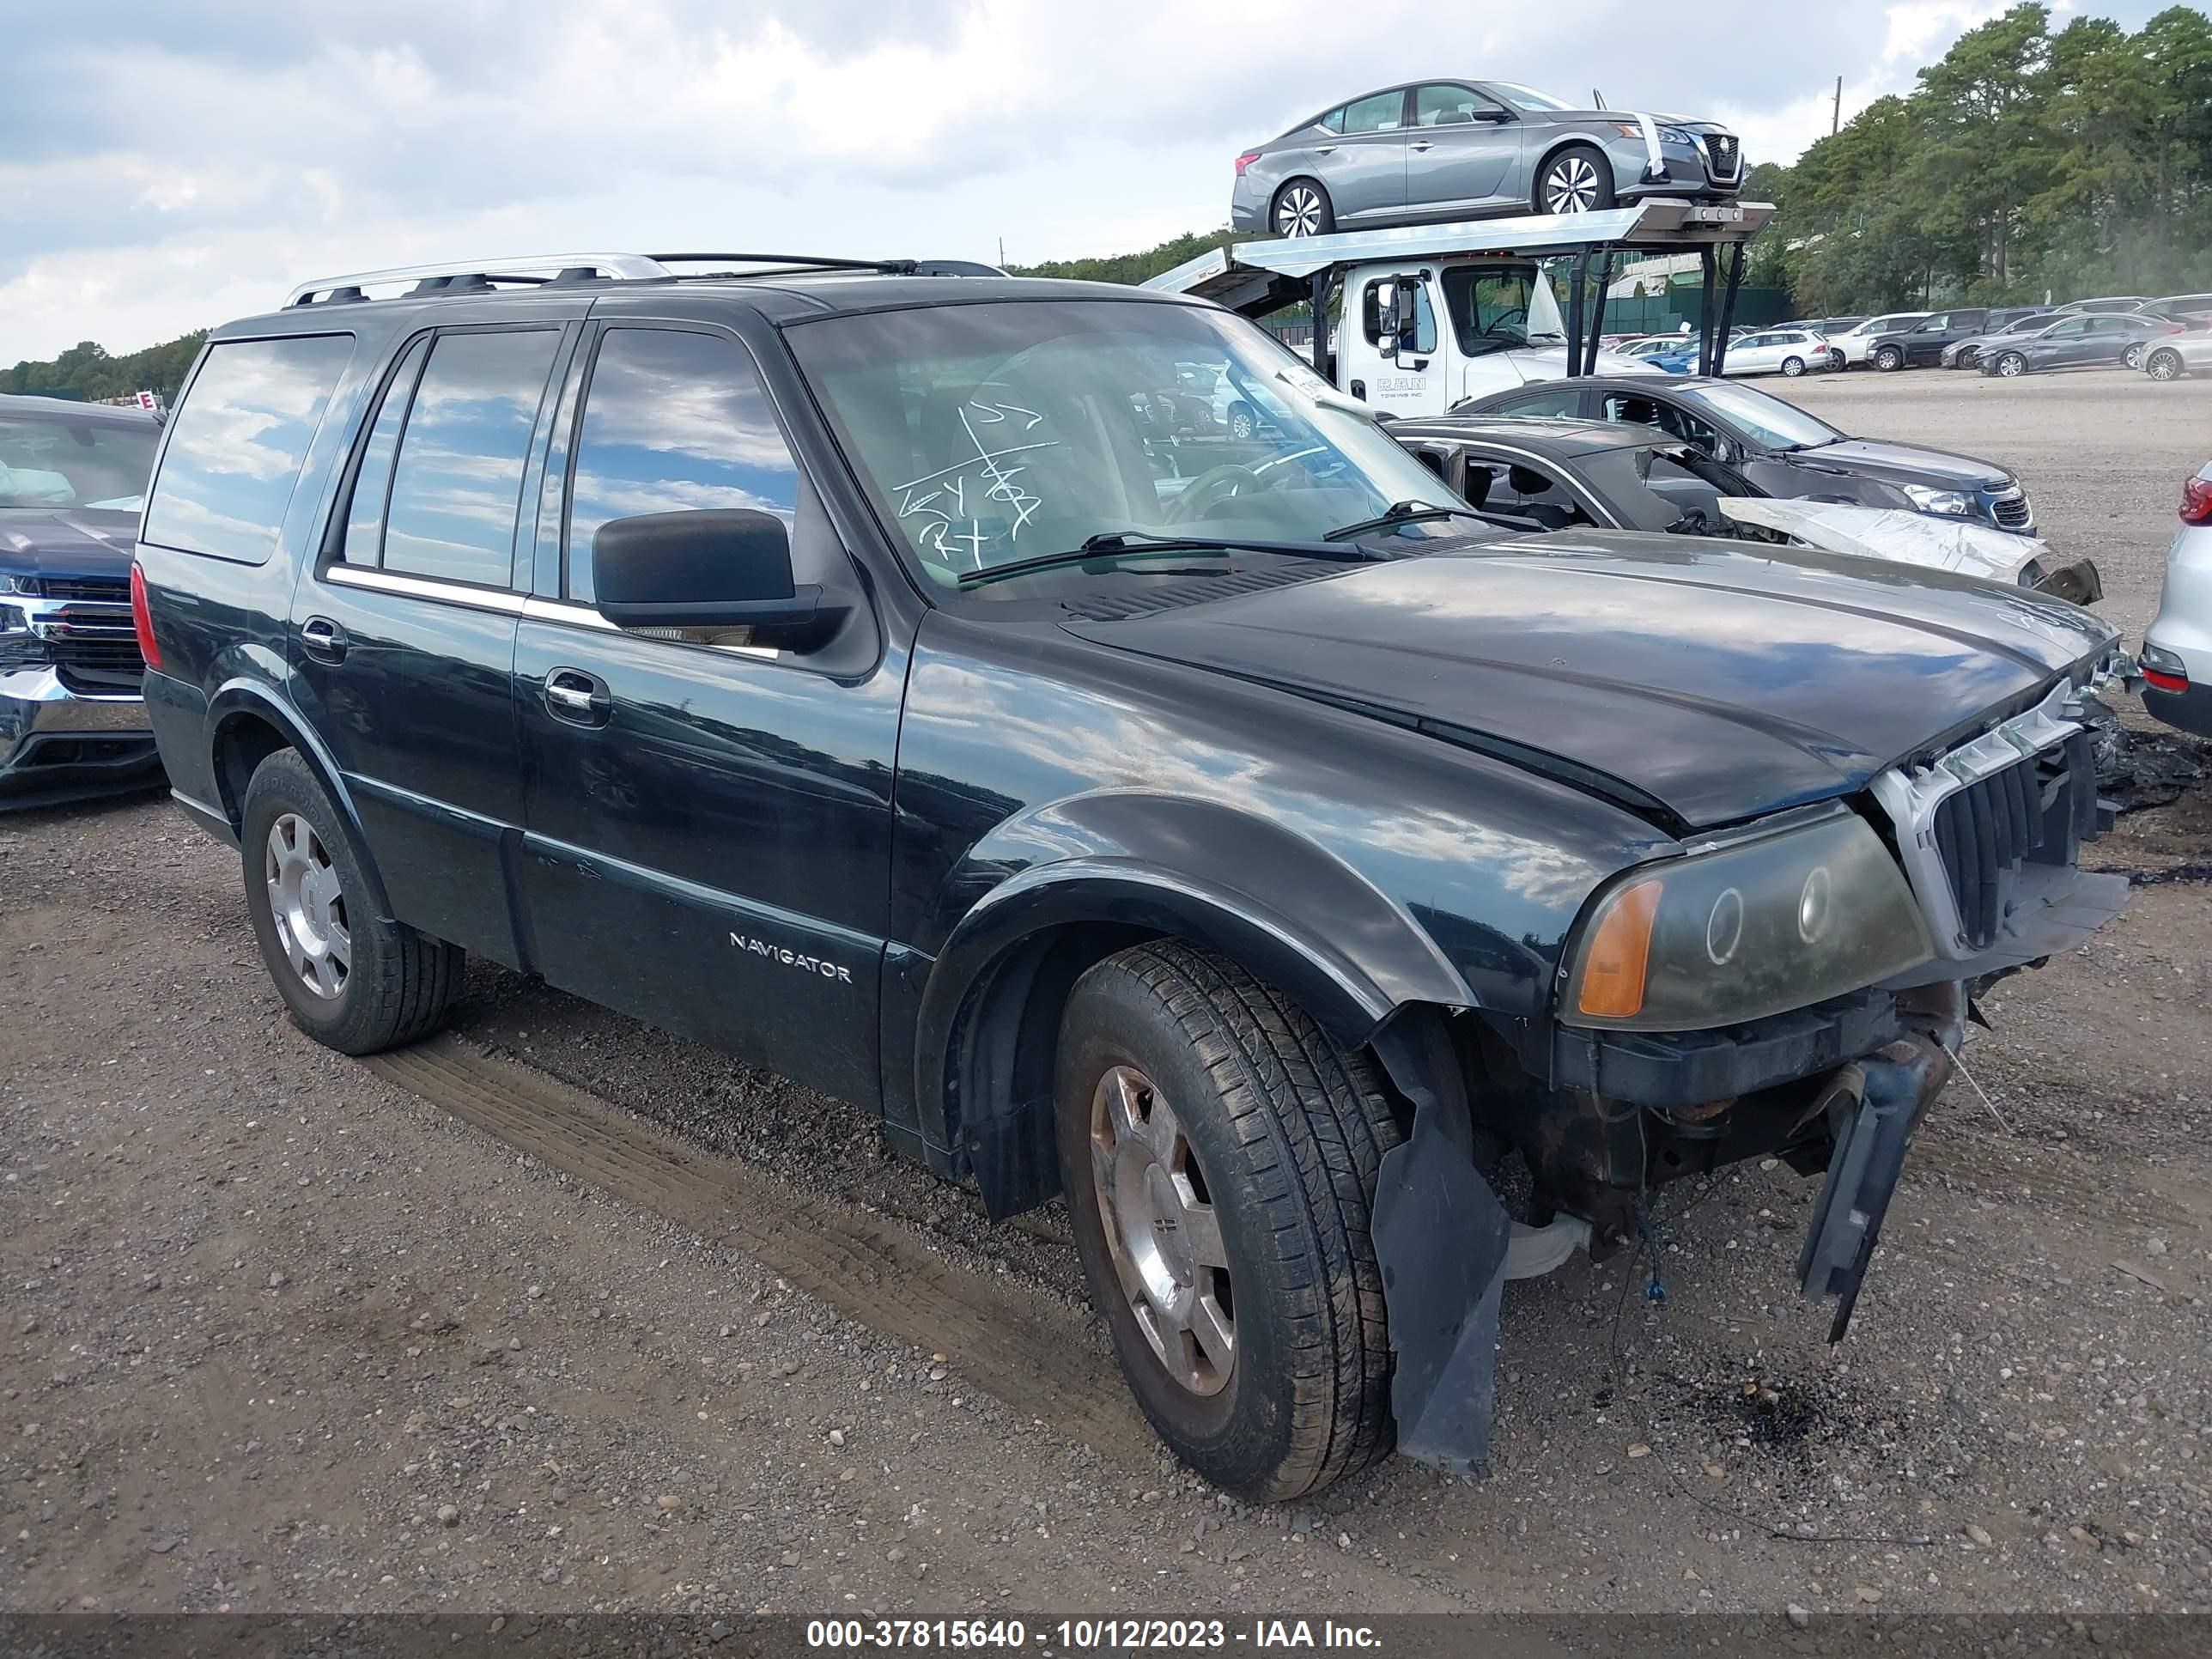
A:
[1002,252]
[1836,116]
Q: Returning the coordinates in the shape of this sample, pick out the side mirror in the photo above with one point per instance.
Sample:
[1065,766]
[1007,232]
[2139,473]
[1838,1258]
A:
[1492,115]
[722,568]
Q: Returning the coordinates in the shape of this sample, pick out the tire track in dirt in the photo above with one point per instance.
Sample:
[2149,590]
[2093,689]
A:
[1035,1358]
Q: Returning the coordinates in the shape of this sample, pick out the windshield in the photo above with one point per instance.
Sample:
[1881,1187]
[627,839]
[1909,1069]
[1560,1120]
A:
[1529,98]
[1769,422]
[51,463]
[992,432]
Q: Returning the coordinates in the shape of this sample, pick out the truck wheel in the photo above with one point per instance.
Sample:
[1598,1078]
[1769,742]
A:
[1302,209]
[1793,366]
[1220,1155]
[352,981]
[1888,359]
[1578,179]
[2164,365]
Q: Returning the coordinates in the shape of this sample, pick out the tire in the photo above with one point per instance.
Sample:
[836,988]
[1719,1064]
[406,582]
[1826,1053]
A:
[1793,366]
[2133,357]
[1302,208]
[1274,1136]
[352,981]
[1889,360]
[2163,365]
[1578,179]
[2011,364]
[1966,360]
[1242,423]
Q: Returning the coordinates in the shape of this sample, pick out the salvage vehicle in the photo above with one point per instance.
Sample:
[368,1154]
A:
[72,480]
[2081,340]
[1924,343]
[2176,659]
[2171,359]
[1855,344]
[1460,150]
[1782,449]
[1542,474]
[811,663]
[1966,351]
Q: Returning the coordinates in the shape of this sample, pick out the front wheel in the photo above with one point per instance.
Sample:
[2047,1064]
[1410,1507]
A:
[1578,179]
[1303,209]
[2012,364]
[1793,366]
[353,981]
[2165,365]
[1241,422]
[1220,1156]
[1889,359]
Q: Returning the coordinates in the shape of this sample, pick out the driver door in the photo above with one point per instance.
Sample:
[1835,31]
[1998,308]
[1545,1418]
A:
[1415,375]
[1462,149]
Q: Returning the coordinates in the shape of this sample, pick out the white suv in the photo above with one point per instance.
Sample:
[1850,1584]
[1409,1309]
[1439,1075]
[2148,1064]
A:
[2177,654]
[1855,345]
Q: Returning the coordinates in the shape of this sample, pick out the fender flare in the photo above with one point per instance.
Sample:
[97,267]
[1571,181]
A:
[245,698]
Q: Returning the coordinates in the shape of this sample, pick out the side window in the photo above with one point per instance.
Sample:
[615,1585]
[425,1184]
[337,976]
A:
[1375,304]
[1384,112]
[1667,417]
[457,482]
[1524,491]
[1567,400]
[238,442]
[372,484]
[1333,121]
[672,420]
[1447,106]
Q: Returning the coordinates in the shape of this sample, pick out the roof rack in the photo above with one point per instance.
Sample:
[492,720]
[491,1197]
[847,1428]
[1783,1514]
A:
[569,269]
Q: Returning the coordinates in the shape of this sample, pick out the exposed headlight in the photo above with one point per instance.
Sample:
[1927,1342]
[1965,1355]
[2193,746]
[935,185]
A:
[1756,927]
[1951,503]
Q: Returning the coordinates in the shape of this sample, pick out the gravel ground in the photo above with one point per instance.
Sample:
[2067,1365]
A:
[624,1324]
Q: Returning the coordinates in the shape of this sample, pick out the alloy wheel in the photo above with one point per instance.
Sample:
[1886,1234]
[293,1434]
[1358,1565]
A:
[1298,212]
[1161,1230]
[308,904]
[1889,357]
[2165,366]
[1571,186]
[1240,423]
[2010,364]
[1793,366]
[2133,357]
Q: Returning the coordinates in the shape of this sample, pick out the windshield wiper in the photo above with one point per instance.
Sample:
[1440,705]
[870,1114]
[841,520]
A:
[1399,513]
[1143,544]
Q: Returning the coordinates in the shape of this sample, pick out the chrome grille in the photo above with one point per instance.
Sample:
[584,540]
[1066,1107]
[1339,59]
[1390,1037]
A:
[1721,151]
[113,589]
[2009,509]
[94,645]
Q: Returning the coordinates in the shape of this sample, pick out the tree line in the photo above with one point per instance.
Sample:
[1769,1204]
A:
[86,371]
[2028,161]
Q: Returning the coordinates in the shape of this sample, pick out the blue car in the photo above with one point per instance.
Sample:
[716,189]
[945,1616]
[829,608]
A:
[72,483]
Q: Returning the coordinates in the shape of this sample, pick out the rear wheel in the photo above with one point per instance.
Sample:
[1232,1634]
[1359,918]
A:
[1242,423]
[1303,209]
[352,981]
[2133,357]
[2011,364]
[1888,359]
[1220,1156]
[2163,364]
[1793,366]
[1578,179]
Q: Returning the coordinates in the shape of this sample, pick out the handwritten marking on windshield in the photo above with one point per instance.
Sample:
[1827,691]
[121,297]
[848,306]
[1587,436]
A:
[942,496]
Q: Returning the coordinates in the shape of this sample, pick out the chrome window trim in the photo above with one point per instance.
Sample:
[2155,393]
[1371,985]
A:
[1910,801]
[563,614]
[500,600]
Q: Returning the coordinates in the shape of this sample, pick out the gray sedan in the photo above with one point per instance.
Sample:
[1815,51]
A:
[1454,149]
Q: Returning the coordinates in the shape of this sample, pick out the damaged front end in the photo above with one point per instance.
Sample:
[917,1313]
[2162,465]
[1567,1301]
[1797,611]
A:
[1954,869]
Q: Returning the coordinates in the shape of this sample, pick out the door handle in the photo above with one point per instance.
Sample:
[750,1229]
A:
[1421,144]
[1324,149]
[580,699]
[323,639]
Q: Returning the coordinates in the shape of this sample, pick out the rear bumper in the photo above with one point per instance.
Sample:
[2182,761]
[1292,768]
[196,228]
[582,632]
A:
[2187,711]
[57,745]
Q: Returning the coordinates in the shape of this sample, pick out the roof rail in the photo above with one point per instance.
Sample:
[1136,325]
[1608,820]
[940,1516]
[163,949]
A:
[539,269]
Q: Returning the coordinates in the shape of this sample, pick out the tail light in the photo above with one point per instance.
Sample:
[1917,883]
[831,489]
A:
[2196,500]
[142,619]
[1246,161]
[2161,670]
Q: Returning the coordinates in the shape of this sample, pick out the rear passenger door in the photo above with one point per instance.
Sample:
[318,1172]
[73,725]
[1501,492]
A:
[708,822]
[403,639]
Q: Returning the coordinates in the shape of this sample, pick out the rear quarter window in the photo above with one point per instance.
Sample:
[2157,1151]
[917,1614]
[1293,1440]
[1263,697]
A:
[237,443]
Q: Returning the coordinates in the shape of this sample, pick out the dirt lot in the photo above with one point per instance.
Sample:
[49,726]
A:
[558,1314]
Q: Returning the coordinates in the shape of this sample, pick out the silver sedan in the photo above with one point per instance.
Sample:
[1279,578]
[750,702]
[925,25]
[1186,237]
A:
[1458,150]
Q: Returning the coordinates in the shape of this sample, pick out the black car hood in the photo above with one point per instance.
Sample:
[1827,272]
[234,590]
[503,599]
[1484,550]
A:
[1894,463]
[68,542]
[1719,680]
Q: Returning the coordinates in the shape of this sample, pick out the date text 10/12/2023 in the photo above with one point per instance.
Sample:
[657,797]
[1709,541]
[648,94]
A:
[1091,1635]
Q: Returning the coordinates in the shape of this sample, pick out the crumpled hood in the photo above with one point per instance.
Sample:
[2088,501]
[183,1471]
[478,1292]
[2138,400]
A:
[67,542]
[1895,462]
[1724,680]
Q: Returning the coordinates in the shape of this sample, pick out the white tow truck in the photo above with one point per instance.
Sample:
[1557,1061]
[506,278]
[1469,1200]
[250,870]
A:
[1426,316]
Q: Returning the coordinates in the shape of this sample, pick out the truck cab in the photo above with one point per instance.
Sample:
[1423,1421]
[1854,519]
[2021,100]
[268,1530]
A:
[1417,336]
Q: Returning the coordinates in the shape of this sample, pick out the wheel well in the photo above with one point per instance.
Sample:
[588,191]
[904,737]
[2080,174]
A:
[241,743]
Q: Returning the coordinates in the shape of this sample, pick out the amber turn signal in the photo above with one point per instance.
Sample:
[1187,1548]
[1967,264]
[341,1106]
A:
[1613,971]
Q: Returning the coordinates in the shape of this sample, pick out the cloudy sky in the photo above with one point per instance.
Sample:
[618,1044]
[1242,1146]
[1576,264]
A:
[167,164]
